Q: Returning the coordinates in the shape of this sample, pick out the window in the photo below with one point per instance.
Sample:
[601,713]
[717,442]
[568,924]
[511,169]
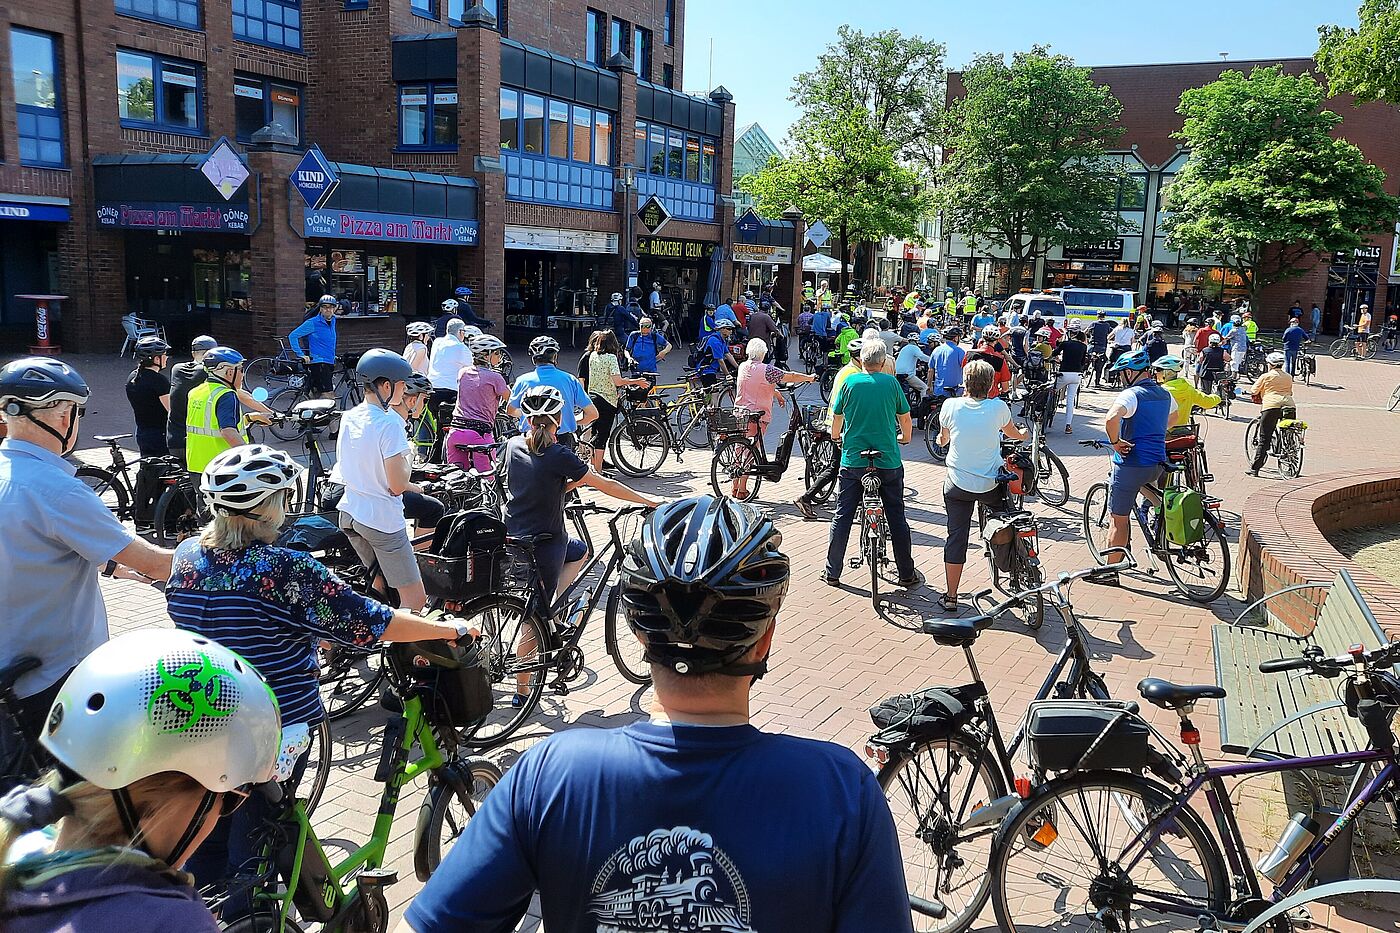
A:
[258,102]
[641,52]
[596,41]
[668,153]
[602,138]
[692,158]
[668,75]
[1132,194]
[533,107]
[510,119]
[574,133]
[428,116]
[707,162]
[668,30]
[621,37]
[675,141]
[656,151]
[639,147]
[176,12]
[158,92]
[558,129]
[583,135]
[34,65]
[268,22]
[426,8]
[498,9]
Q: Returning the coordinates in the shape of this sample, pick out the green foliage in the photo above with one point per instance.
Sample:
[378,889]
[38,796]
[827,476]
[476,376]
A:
[1365,61]
[1266,185]
[1025,167]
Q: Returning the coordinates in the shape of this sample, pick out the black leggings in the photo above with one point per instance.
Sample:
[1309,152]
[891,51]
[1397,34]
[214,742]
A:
[603,425]
[1268,423]
[823,480]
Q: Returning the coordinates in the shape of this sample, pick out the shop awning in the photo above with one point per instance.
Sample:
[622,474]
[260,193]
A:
[771,243]
[164,192]
[394,205]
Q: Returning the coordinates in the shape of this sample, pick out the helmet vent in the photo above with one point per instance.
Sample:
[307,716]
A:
[96,702]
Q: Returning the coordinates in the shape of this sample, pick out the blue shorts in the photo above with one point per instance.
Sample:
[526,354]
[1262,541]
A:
[551,556]
[1125,483]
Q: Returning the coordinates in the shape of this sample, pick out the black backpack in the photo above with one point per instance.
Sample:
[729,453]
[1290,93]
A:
[466,555]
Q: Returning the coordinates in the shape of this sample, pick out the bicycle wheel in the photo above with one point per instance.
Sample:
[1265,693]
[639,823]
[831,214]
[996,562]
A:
[1098,522]
[318,767]
[447,809]
[938,451]
[827,380]
[931,789]
[283,401]
[823,455]
[1338,349]
[1291,463]
[1395,398]
[514,664]
[1251,438]
[735,457]
[108,488]
[1054,865]
[875,550]
[1052,478]
[175,517]
[639,446]
[1368,349]
[348,394]
[692,425]
[1201,571]
[627,652]
[347,677]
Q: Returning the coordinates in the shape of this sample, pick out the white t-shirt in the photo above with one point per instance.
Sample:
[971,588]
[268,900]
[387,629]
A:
[1126,404]
[974,436]
[448,358]
[417,356]
[369,435]
[1123,336]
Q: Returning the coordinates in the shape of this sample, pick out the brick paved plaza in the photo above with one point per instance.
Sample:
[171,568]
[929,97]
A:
[835,657]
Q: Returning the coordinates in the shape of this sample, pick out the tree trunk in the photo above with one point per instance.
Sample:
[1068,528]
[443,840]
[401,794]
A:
[845,252]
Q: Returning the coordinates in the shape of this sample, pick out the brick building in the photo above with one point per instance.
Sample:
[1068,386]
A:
[1141,260]
[503,144]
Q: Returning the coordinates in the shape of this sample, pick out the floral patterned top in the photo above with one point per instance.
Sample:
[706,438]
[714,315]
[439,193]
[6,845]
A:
[272,605]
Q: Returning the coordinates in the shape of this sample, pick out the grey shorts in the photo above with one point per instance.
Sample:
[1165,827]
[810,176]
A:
[392,549]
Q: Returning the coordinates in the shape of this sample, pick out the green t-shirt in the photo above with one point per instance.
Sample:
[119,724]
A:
[869,404]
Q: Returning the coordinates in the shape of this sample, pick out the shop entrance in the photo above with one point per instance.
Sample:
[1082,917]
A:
[437,279]
[1349,286]
[540,284]
[28,256]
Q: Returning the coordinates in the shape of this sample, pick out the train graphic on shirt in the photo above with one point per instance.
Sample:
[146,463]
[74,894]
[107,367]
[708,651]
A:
[670,879]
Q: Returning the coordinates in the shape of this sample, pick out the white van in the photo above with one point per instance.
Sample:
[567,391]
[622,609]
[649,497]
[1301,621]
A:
[1033,305]
[1086,303]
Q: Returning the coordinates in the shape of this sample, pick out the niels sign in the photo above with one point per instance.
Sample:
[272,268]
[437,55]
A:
[163,215]
[397,228]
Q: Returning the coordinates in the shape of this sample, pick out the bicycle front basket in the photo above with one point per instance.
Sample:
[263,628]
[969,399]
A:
[1099,734]
[455,676]
[815,417]
[726,421]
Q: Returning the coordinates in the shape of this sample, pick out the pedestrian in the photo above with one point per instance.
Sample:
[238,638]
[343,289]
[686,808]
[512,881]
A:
[315,339]
[148,391]
[448,357]
[1315,316]
[1274,389]
[1073,355]
[1293,339]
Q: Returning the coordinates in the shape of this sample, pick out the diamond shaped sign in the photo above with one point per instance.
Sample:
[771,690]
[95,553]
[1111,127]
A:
[818,234]
[314,178]
[224,168]
[653,214]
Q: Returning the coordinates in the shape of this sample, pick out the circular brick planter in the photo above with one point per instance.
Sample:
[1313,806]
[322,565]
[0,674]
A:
[1283,532]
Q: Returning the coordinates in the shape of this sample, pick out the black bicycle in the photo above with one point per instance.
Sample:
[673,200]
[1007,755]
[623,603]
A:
[741,457]
[114,485]
[18,763]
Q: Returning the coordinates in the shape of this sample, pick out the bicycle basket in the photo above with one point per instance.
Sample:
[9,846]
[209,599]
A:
[1066,734]
[455,677]
[726,421]
[465,558]
[814,416]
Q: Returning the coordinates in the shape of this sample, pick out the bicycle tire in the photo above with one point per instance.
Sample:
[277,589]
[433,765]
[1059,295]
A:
[826,382]
[1061,804]
[1097,521]
[937,451]
[1251,437]
[1395,398]
[108,488]
[735,457]
[627,652]
[823,454]
[175,517]
[1213,535]
[1291,464]
[692,425]
[502,621]
[435,814]
[1047,466]
[347,678]
[348,394]
[1338,349]
[929,839]
[261,923]
[1368,349]
[634,444]
[318,767]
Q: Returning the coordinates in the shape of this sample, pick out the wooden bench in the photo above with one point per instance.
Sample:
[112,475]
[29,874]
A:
[1257,704]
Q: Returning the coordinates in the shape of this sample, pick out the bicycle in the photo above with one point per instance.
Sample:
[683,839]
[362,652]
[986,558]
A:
[874,527]
[1012,544]
[347,389]
[933,426]
[284,368]
[1394,399]
[294,874]
[1357,346]
[1223,383]
[1132,852]
[743,456]
[114,485]
[1039,409]
[947,771]
[1286,446]
[1306,363]
[1189,564]
[18,762]
[655,426]
[181,510]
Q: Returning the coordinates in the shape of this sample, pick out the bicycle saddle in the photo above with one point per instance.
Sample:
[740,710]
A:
[314,409]
[870,454]
[17,669]
[957,633]
[108,438]
[1167,695]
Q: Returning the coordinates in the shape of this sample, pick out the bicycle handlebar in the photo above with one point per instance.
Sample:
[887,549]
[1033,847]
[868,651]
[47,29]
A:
[1314,661]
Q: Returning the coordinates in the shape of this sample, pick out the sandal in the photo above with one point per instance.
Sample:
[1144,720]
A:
[948,602]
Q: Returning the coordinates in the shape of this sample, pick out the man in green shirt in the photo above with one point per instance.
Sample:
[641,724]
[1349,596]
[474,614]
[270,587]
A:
[870,412]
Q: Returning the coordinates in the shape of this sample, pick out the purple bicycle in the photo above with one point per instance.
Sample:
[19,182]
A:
[1114,851]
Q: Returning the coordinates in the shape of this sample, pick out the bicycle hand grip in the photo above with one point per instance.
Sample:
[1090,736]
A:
[1278,665]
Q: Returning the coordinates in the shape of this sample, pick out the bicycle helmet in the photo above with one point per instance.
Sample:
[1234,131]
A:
[1214,340]
[1169,363]
[616,298]
[953,334]
[542,401]
[450,306]
[1157,327]
[240,479]
[484,344]
[35,381]
[544,348]
[379,364]
[725,323]
[1137,362]
[991,332]
[853,348]
[203,342]
[701,583]
[1075,326]
[1235,319]
[1043,332]
[1194,320]
[1275,359]
[463,291]
[419,329]
[148,348]
[219,357]
[417,385]
[327,300]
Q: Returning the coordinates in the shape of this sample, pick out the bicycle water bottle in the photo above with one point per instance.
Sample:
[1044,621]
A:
[1297,836]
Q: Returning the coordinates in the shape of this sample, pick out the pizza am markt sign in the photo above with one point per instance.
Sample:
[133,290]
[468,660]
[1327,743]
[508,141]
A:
[653,214]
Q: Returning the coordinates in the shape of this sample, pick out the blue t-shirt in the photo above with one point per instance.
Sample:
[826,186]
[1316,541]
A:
[320,338]
[545,374]
[821,323]
[946,366]
[1293,337]
[669,827]
[717,350]
[980,321]
[644,347]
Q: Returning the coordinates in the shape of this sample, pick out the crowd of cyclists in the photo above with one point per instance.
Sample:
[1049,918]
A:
[154,739]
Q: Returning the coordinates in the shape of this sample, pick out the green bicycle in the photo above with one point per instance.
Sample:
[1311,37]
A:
[294,883]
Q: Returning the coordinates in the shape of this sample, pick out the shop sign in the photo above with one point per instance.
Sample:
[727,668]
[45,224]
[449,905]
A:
[395,228]
[18,210]
[752,252]
[224,168]
[169,216]
[818,234]
[314,178]
[653,214]
[749,224]
[910,252]
[559,241]
[1108,249]
[658,248]
[1361,256]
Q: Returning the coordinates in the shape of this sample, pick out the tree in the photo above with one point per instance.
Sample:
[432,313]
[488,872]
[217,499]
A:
[1025,166]
[1266,185]
[1364,62]
[843,172]
[897,80]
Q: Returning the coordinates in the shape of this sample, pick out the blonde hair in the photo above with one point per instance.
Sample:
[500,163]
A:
[542,433]
[229,532]
[978,378]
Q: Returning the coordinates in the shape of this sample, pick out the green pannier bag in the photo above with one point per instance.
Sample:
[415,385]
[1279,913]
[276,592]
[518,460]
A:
[1185,515]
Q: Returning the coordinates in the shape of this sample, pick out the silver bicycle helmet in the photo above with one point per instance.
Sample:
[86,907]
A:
[543,348]
[483,344]
[240,479]
[542,401]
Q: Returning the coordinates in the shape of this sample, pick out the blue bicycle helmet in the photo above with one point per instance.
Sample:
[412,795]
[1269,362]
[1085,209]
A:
[463,291]
[1137,361]
[222,356]
[1169,363]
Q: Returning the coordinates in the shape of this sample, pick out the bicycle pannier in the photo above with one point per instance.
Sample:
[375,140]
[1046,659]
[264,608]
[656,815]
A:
[465,555]
[455,675]
[313,533]
[1060,734]
[932,713]
[1185,515]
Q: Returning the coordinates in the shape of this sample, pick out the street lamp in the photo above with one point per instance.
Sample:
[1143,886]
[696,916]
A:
[629,184]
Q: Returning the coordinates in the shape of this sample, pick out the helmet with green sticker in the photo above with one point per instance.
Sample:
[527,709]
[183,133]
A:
[160,700]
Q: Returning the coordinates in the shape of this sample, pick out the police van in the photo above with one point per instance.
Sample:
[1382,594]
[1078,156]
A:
[1086,303]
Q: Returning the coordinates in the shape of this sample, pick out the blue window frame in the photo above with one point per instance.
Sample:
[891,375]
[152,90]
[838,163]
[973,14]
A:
[556,152]
[175,12]
[268,22]
[595,40]
[428,116]
[38,102]
[668,32]
[258,102]
[159,93]
[428,8]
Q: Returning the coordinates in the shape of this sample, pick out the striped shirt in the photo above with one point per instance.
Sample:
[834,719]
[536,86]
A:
[271,605]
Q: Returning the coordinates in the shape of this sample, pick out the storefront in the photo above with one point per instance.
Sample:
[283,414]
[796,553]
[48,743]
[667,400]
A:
[1095,265]
[1193,286]
[1351,282]
[759,250]
[554,271]
[681,266]
[28,255]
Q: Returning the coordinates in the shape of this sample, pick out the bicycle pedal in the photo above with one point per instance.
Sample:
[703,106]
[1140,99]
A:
[560,688]
[1207,477]
[853,562]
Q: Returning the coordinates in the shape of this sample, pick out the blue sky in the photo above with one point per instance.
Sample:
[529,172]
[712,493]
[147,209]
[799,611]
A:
[759,45]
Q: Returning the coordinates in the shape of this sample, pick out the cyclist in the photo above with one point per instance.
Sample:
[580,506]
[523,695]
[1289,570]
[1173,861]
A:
[183,378]
[1156,342]
[906,364]
[805,317]
[315,339]
[1122,341]
[545,352]
[451,308]
[158,733]
[945,365]
[214,411]
[1363,328]
[988,351]
[1251,328]
[1237,340]
[763,327]
[845,333]
[1215,359]
[57,535]
[602,377]
[481,391]
[715,358]
[756,389]
[1275,391]
[1073,356]
[1187,397]
[1293,339]
[464,309]
[701,587]
[370,457]
[148,391]
[654,299]
[620,315]
[416,351]
[1136,426]
[647,347]
[1188,341]
[805,502]
[449,354]
[1099,333]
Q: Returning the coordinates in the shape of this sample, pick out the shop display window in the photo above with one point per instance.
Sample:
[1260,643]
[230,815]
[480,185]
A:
[221,279]
[158,93]
[34,66]
[366,284]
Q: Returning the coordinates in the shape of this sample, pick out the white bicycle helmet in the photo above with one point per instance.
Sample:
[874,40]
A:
[238,480]
[544,347]
[1275,359]
[419,329]
[991,332]
[542,401]
[482,344]
[450,306]
[1214,340]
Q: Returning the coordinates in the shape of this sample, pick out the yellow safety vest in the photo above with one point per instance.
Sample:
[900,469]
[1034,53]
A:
[970,305]
[203,440]
[951,305]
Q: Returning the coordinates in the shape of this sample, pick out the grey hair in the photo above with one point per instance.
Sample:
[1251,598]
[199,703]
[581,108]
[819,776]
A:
[455,325]
[756,349]
[872,354]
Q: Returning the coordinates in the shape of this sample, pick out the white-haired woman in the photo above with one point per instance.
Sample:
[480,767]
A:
[756,389]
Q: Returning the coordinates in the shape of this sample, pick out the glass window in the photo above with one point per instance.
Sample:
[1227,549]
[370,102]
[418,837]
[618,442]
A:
[136,87]
[284,108]
[533,107]
[268,22]
[602,141]
[583,135]
[159,92]
[249,106]
[668,32]
[675,141]
[177,12]
[657,150]
[621,37]
[179,95]
[639,146]
[1133,196]
[596,41]
[428,115]
[707,162]
[668,75]
[425,8]
[444,120]
[413,115]
[510,119]
[641,52]
[558,129]
[692,158]
[34,66]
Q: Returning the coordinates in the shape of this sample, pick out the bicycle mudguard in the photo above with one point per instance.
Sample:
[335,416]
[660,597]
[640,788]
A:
[394,731]
[1350,886]
[454,777]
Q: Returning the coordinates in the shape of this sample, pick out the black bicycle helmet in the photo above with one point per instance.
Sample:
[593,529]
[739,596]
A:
[33,381]
[417,384]
[148,348]
[701,583]
[382,364]
[544,348]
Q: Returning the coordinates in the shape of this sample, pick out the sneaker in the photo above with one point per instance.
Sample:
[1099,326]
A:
[1251,472]
[829,580]
[1069,429]
[805,508]
[912,581]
